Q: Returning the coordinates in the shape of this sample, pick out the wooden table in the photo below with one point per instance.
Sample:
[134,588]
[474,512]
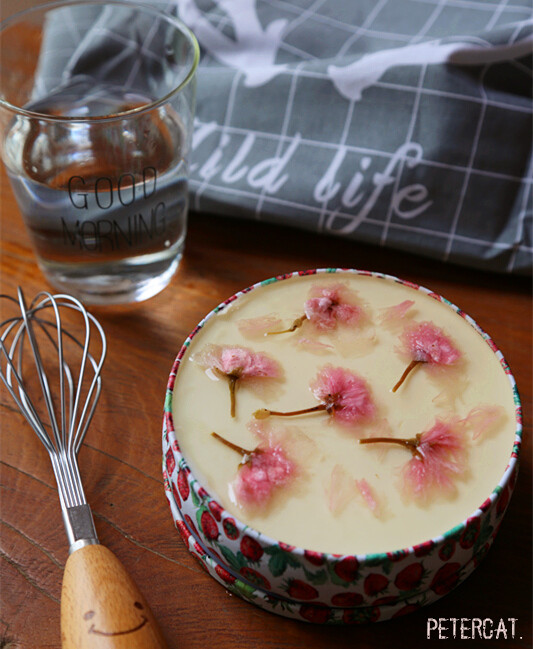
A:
[121,459]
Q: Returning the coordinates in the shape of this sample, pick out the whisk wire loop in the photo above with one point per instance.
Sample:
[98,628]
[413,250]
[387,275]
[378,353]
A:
[41,373]
[23,402]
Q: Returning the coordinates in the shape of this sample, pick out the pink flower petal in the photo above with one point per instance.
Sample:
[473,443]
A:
[339,490]
[297,445]
[394,315]
[348,392]
[260,430]
[427,343]
[451,381]
[313,345]
[483,419]
[369,496]
[260,326]
[266,470]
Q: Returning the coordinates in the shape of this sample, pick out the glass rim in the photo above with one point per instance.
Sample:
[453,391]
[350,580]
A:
[56,4]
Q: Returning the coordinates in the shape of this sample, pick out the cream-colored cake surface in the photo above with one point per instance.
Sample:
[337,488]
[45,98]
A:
[306,513]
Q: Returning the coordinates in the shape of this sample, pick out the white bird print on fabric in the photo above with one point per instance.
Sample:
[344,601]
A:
[352,79]
[254,49]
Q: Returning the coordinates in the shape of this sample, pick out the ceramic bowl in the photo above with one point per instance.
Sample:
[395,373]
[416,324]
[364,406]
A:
[320,587]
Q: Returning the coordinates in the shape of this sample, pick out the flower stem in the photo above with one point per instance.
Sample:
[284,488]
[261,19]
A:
[232,384]
[411,444]
[263,413]
[297,323]
[407,371]
[232,380]
[235,447]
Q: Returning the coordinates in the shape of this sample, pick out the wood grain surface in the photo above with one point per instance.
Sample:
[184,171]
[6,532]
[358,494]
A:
[120,461]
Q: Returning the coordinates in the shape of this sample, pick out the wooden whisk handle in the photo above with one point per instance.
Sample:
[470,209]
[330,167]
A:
[101,607]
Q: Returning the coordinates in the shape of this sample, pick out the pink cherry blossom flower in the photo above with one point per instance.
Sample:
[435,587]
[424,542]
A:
[424,342]
[438,456]
[261,472]
[428,344]
[344,395]
[265,471]
[332,305]
[327,307]
[243,362]
[238,364]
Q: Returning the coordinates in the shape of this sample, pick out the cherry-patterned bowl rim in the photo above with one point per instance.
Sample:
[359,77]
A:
[295,609]
[417,549]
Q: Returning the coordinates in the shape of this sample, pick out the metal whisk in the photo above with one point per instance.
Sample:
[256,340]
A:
[100,604]
[66,436]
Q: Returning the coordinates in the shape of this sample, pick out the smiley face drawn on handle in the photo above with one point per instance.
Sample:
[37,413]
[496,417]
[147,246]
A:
[92,629]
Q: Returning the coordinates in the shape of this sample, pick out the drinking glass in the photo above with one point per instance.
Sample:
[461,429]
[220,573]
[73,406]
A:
[96,116]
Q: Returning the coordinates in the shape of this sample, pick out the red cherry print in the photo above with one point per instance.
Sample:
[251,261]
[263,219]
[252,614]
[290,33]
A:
[183,485]
[184,532]
[215,509]
[410,577]
[209,526]
[224,574]
[423,549]
[447,550]
[347,568]
[286,547]
[255,577]
[251,548]
[446,578]
[398,555]
[171,462]
[375,584]
[176,495]
[298,589]
[470,533]
[230,529]
[316,558]
[190,524]
[198,549]
[486,505]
